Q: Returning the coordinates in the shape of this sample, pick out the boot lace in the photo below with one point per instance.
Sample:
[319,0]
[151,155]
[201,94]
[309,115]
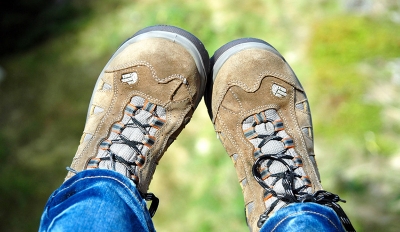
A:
[278,168]
[127,146]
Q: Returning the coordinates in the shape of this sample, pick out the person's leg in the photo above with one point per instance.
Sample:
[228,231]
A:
[143,98]
[261,115]
[96,200]
[310,217]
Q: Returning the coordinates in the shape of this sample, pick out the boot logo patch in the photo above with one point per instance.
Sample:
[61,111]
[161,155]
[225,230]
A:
[278,91]
[130,78]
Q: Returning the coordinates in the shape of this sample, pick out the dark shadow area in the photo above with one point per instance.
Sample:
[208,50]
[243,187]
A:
[25,23]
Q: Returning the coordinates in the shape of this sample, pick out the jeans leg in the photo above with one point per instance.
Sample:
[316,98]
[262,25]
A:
[304,217]
[96,200]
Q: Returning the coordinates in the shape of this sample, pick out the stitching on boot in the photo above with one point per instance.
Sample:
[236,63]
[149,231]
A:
[173,130]
[148,65]
[303,149]
[229,136]
[236,97]
[247,113]
[230,111]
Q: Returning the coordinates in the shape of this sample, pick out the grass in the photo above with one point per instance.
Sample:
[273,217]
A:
[349,54]
[346,61]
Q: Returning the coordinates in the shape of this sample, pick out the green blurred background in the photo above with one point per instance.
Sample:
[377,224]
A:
[345,52]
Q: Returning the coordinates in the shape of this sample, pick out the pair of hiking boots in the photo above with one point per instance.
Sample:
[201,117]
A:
[149,89]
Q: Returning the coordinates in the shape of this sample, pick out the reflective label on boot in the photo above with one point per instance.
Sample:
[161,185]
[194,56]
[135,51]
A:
[130,78]
[278,91]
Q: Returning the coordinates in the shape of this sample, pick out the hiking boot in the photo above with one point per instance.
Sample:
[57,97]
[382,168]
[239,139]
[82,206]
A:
[261,115]
[143,98]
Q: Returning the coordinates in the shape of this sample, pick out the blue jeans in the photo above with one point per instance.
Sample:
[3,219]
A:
[310,217]
[104,200]
[96,200]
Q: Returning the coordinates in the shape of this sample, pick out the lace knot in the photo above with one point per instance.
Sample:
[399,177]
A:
[321,197]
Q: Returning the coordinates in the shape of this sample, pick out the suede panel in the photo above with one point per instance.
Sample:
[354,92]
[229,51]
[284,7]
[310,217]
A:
[240,92]
[102,99]
[107,78]
[167,76]
[250,79]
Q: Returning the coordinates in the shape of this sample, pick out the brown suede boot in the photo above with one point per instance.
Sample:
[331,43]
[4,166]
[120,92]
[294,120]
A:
[261,115]
[143,98]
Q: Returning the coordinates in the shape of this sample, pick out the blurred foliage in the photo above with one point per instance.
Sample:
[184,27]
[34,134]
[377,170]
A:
[352,56]
[346,53]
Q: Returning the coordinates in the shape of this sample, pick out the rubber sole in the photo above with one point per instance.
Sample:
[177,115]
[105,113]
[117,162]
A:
[190,42]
